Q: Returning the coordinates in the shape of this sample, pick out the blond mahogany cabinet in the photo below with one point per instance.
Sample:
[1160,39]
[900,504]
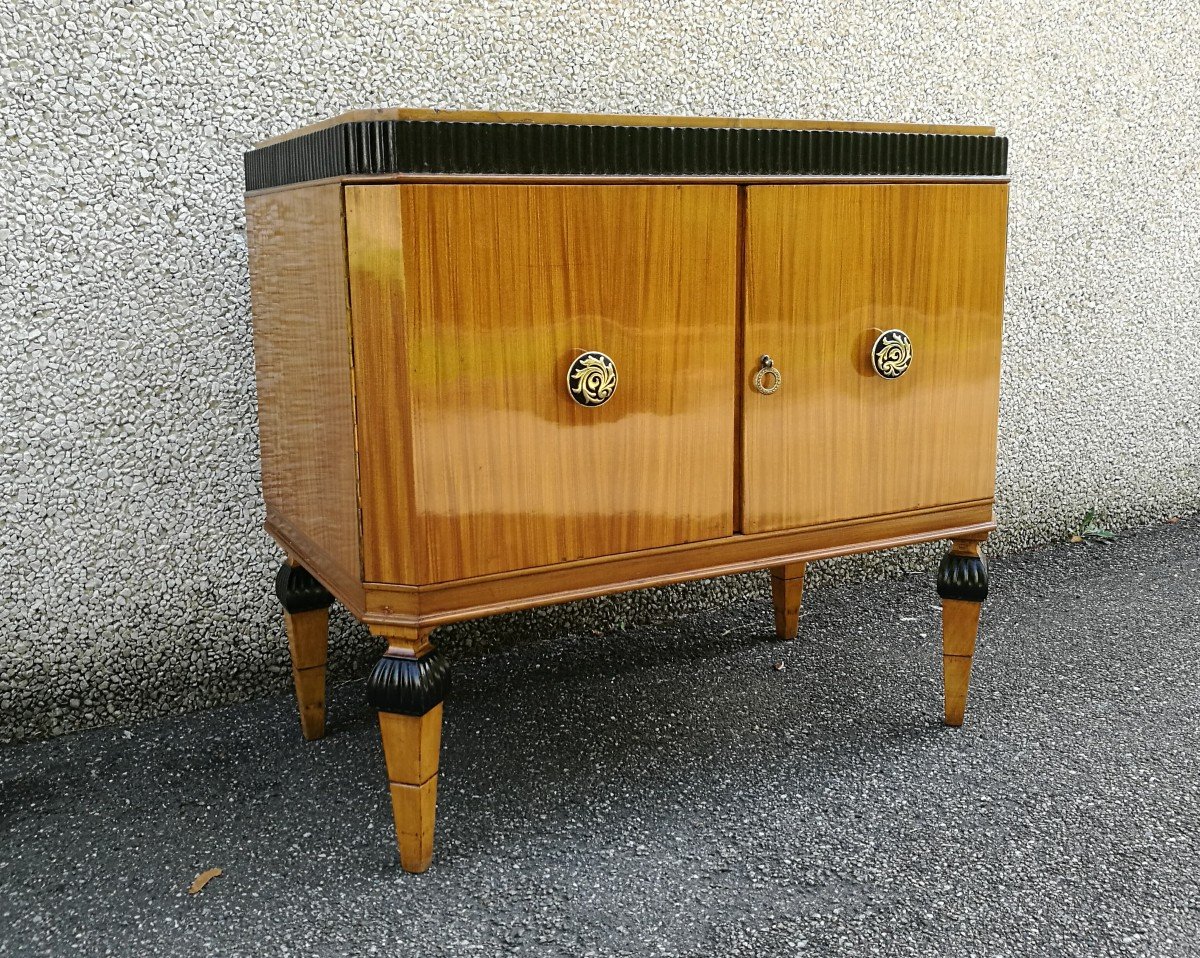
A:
[507,360]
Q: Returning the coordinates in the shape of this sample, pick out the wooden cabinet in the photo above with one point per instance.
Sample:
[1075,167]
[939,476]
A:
[505,361]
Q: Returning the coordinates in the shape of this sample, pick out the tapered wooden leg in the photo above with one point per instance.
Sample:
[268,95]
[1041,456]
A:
[306,616]
[962,584]
[407,687]
[410,746]
[960,622]
[787,590]
[308,641]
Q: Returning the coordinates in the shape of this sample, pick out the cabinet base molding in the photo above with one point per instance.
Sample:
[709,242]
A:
[444,603]
[385,605]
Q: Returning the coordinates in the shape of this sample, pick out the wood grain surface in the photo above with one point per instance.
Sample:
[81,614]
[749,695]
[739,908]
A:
[298,288]
[470,303]
[827,269]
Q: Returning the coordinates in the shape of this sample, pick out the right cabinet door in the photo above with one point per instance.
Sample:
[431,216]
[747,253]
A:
[828,269]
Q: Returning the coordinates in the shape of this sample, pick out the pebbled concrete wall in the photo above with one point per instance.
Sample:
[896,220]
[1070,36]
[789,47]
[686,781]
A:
[136,579]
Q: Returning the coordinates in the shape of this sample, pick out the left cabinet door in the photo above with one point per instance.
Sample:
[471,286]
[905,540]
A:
[470,303]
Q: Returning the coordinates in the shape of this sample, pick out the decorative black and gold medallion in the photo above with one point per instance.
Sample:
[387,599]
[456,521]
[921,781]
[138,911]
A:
[892,354]
[592,379]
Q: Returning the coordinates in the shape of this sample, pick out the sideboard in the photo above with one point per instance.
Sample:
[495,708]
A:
[508,360]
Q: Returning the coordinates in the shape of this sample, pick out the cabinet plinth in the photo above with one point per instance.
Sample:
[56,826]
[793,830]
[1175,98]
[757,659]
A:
[507,362]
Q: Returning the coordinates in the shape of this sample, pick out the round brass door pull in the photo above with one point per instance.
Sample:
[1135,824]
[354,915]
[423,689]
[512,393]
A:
[592,379]
[891,354]
[767,368]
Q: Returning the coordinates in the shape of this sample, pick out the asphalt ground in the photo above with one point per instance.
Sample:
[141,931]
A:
[670,791]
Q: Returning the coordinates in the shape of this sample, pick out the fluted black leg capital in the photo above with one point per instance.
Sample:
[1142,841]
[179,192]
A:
[298,591]
[405,685]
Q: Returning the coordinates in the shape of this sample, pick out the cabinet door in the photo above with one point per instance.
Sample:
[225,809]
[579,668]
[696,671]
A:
[470,303]
[828,269]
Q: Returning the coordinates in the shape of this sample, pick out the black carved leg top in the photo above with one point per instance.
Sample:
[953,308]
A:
[963,577]
[409,686]
[298,591]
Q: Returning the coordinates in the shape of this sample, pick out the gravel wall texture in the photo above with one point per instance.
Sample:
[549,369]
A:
[136,578]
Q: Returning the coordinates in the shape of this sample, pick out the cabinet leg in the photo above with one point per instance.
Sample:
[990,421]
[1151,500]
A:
[306,616]
[963,585]
[787,590]
[407,687]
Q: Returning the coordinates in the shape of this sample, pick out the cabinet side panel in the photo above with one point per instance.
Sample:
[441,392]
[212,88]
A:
[296,241]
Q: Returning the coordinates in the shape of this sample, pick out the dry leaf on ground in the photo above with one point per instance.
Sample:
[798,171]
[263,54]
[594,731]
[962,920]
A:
[201,880]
